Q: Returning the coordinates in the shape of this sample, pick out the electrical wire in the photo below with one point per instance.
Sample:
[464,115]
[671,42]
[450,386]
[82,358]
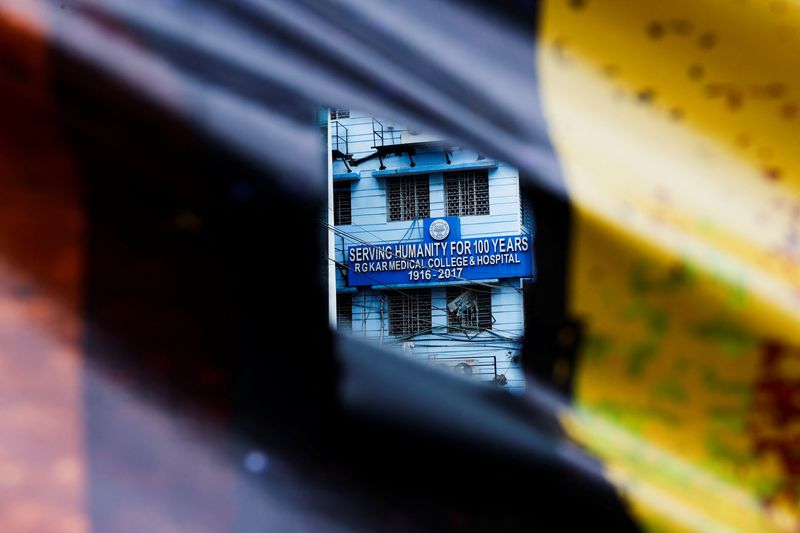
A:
[478,330]
[424,331]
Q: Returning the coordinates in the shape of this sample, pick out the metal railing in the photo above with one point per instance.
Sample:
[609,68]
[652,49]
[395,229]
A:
[480,367]
[377,133]
[340,138]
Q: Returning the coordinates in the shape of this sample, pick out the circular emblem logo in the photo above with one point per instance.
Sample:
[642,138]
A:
[439,229]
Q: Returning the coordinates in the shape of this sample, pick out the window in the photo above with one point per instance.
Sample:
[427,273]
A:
[526,211]
[340,113]
[466,193]
[410,312]
[344,312]
[469,308]
[341,203]
[408,198]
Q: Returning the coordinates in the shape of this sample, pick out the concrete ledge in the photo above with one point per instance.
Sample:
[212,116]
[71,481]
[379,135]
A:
[433,284]
[346,176]
[427,169]
[346,290]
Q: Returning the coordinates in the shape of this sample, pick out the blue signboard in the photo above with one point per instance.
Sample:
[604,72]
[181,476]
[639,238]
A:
[443,256]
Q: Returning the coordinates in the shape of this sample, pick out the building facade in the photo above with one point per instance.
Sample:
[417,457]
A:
[433,244]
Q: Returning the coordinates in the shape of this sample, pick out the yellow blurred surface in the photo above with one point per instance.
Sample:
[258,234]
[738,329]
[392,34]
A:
[676,123]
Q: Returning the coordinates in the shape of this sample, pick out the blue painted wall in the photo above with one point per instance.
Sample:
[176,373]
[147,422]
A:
[369,223]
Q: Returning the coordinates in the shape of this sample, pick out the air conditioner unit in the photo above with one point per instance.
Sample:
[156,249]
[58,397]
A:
[464,369]
[462,302]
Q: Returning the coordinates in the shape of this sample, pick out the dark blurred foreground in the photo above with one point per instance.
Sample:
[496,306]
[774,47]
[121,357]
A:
[148,250]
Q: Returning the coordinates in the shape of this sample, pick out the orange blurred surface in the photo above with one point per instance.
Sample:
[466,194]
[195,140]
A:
[42,467]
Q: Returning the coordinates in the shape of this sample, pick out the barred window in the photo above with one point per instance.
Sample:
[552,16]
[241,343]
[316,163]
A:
[344,312]
[469,308]
[339,113]
[408,198]
[466,193]
[341,203]
[526,211]
[410,312]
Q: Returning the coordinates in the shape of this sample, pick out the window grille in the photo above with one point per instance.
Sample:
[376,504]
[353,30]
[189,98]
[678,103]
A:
[339,113]
[526,211]
[469,308]
[410,312]
[341,203]
[408,198]
[344,312]
[467,193]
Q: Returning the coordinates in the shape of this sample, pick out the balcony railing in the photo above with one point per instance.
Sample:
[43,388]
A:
[340,139]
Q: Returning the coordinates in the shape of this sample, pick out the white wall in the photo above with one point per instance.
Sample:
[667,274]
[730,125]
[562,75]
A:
[369,223]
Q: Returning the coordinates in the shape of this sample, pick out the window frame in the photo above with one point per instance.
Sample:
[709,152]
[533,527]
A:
[403,185]
[466,205]
[481,320]
[339,189]
[414,309]
[344,301]
[526,214]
